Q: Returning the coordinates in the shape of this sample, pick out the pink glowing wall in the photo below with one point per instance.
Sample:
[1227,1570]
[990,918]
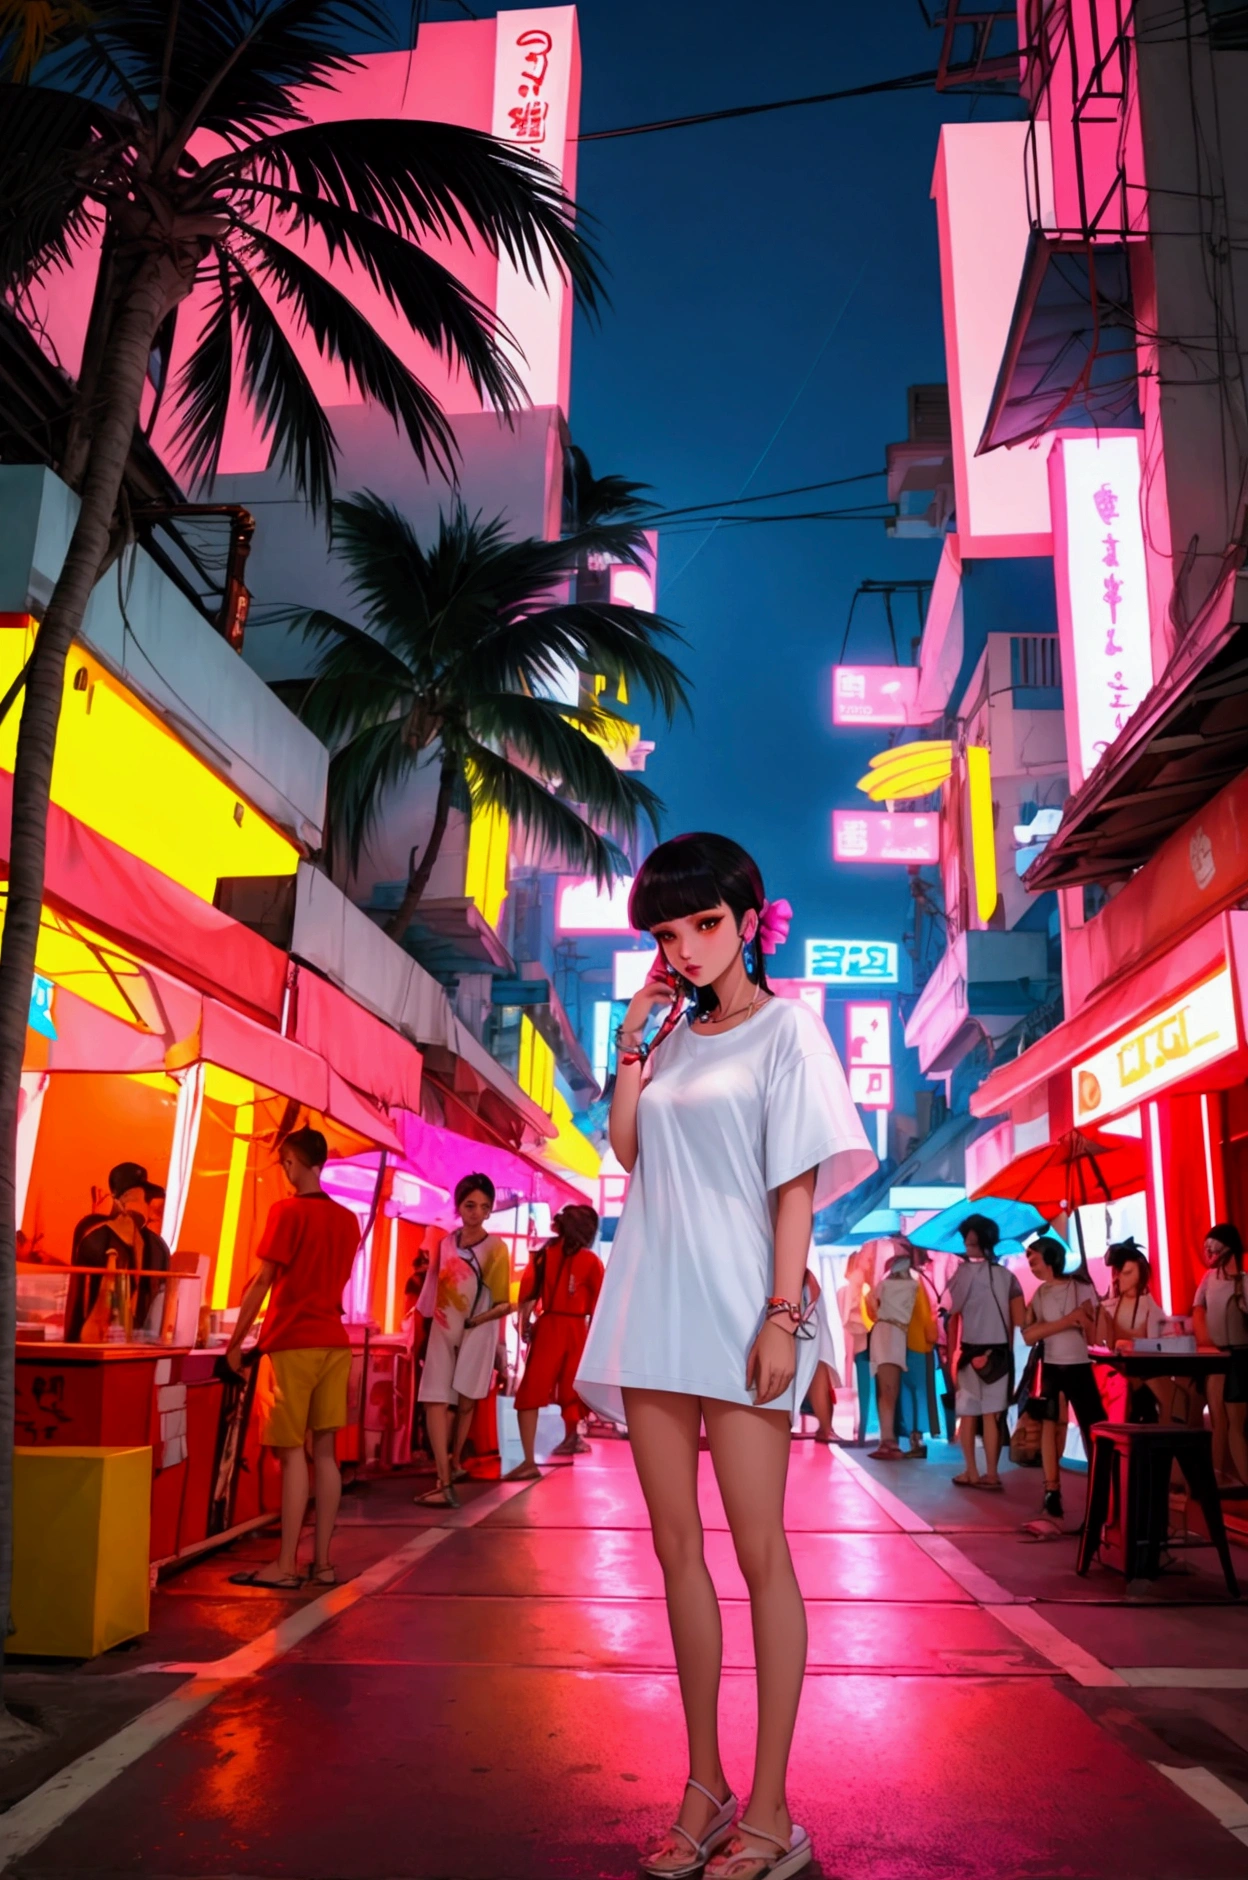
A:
[472,72]
[980,189]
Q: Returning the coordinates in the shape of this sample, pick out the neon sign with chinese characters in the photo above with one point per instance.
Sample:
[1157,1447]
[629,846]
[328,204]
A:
[1181,1038]
[910,837]
[852,962]
[874,695]
[1102,589]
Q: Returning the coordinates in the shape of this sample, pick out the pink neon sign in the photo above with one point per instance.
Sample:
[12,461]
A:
[876,835]
[584,907]
[1102,590]
[874,695]
[869,1052]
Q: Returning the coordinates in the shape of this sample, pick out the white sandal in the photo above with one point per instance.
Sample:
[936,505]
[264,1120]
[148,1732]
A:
[717,1832]
[794,1854]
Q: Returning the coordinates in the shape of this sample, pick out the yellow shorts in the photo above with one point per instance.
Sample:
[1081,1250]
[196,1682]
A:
[309,1393]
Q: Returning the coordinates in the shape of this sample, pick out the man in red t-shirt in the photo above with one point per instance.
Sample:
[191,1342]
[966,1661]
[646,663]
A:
[563,1279]
[305,1256]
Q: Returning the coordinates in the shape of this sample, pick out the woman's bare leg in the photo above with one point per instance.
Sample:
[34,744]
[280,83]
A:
[822,1401]
[663,1431]
[438,1424]
[1236,1441]
[750,1451]
[887,1386]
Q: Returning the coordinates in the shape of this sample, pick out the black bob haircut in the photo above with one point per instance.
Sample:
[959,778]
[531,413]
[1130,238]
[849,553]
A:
[474,1185]
[1051,1251]
[985,1230]
[1228,1235]
[691,873]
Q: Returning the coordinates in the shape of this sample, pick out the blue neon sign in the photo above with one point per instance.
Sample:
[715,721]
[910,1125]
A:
[852,962]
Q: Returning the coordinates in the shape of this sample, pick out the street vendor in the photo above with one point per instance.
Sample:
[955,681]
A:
[561,1284]
[113,1242]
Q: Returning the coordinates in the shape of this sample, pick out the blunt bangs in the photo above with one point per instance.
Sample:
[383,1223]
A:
[690,873]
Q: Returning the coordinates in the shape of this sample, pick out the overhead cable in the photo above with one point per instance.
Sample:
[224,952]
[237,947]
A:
[913,81]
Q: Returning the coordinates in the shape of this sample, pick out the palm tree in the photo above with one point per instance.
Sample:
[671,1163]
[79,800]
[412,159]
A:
[172,133]
[454,662]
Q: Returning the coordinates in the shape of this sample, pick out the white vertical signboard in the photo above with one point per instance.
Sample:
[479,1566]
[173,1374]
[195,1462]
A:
[1102,590]
[533,61]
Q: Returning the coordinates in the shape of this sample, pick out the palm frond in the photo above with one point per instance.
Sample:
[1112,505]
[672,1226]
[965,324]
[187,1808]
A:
[46,142]
[446,180]
[362,774]
[357,681]
[498,784]
[205,383]
[616,641]
[278,388]
[589,500]
[558,743]
[433,302]
[342,333]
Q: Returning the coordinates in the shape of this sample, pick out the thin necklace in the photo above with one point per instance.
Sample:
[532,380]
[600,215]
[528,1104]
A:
[721,1018]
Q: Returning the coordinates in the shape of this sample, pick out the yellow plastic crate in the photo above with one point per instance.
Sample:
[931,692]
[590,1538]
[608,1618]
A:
[81,1531]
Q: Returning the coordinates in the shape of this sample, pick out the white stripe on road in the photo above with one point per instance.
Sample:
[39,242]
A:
[33,1819]
[1018,1616]
[1185,1677]
[1224,1803]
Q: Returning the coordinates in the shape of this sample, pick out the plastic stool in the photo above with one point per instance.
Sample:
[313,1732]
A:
[1137,1458]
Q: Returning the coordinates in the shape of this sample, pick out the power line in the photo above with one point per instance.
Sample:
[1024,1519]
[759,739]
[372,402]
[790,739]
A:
[768,496]
[914,81]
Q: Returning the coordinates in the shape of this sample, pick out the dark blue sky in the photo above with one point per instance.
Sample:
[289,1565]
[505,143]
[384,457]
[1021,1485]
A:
[734,249]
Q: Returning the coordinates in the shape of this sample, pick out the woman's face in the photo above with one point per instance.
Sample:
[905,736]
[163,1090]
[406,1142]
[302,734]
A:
[474,1209]
[1215,1252]
[1036,1261]
[1129,1278]
[702,947]
[970,1241]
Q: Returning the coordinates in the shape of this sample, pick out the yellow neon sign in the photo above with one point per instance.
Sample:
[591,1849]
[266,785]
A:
[908,770]
[119,771]
[983,830]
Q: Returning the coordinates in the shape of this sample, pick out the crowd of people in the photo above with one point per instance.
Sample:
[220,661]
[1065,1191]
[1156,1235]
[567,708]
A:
[905,1337]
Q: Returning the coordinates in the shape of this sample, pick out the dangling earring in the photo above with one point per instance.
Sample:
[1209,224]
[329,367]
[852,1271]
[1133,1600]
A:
[749,958]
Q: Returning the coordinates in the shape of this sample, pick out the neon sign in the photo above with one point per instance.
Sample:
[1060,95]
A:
[869,1052]
[1181,1038]
[852,962]
[874,695]
[584,907]
[1102,587]
[911,837]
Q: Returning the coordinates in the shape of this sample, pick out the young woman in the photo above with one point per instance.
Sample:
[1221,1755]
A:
[1131,1312]
[850,1300]
[467,1287]
[736,1124]
[891,1304]
[985,1309]
[1221,1320]
[1062,1314]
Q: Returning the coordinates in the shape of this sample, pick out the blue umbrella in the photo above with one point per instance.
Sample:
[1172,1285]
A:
[1014,1219]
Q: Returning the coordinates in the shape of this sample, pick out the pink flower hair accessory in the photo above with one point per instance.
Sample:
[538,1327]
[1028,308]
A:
[774,920]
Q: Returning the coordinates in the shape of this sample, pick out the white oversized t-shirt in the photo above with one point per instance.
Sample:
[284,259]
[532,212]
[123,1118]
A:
[723,1120]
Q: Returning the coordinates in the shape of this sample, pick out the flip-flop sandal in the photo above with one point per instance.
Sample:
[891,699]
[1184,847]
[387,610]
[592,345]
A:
[739,1861]
[443,1496]
[460,1475]
[717,1832]
[287,1583]
[322,1576]
[965,1481]
[991,1487]
[523,1473]
[887,1452]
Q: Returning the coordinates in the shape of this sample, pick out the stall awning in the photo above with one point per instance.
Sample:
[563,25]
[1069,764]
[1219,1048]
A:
[124,899]
[1184,744]
[235,1043]
[1070,357]
[363,1050]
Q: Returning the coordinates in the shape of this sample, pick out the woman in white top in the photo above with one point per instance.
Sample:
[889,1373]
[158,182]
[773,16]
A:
[1062,1314]
[736,1124]
[891,1305]
[1131,1312]
[1220,1315]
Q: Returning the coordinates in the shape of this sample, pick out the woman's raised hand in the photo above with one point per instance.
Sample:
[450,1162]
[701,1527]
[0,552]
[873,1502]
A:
[655,995]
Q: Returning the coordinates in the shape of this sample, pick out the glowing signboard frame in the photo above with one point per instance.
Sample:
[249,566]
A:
[1170,1044]
[874,695]
[630,970]
[852,962]
[583,908]
[909,838]
[869,1053]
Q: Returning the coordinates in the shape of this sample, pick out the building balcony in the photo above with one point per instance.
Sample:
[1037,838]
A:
[985,982]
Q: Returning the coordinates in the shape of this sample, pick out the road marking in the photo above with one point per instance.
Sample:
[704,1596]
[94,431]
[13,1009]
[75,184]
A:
[1223,1802]
[1185,1677]
[1018,1616]
[39,1814]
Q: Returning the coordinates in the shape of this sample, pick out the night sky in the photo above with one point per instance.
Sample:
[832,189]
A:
[750,259]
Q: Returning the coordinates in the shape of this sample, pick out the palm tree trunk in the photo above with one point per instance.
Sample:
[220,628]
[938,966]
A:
[400,921]
[119,388]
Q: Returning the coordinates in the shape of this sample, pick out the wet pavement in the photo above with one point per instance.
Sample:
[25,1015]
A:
[492,1697]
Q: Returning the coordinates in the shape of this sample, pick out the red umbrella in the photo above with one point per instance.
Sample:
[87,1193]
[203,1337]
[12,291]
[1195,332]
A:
[1081,1168]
